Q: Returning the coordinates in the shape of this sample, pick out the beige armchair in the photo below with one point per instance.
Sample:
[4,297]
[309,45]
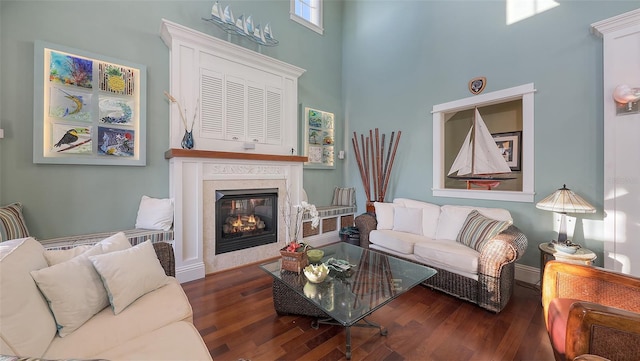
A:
[591,310]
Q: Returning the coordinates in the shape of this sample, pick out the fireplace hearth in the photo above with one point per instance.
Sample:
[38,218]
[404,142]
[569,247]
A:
[245,218]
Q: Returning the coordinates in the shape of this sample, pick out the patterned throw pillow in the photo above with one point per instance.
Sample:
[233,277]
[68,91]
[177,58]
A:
[344,197]
[478,229]
[12,224]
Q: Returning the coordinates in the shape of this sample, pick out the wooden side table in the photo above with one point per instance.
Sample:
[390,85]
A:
[548,253]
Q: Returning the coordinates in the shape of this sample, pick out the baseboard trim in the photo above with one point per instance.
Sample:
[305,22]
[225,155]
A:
[527,274]
[190,272]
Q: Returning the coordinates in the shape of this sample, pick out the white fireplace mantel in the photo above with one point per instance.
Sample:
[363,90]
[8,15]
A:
[195,176]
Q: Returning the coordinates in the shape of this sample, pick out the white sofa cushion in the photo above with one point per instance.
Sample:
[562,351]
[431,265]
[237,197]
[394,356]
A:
[407,220]
[73,289]
[384,214]
[129,274]
[451,256]
[177,341]
[453,217]
[401,242]
[430,214]
[104,331]
[27,326]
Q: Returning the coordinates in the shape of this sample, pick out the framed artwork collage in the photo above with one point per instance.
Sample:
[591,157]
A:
[89,109]
[319,138]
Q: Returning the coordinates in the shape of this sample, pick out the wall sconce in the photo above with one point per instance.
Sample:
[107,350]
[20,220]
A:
[564,201]
[626,95]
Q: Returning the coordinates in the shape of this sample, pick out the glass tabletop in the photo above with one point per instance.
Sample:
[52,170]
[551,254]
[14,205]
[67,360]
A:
[373,280]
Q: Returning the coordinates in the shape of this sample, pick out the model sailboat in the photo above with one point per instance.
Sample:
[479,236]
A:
[479,161]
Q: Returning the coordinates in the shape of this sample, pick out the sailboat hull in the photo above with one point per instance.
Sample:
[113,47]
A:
[488,182]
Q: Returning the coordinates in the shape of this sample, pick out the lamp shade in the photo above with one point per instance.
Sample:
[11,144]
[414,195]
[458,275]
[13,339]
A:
[565,201]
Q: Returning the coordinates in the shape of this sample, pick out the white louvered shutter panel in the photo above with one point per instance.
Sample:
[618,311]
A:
[211,109]
[235,109]
[274,115]
[255,113]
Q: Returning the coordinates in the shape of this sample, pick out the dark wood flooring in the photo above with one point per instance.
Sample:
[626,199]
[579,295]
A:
[233,310]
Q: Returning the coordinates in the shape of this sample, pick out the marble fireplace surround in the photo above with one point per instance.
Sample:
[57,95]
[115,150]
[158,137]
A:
[194,178]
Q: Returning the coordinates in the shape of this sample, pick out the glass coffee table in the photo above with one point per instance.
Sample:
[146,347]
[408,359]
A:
[346,297]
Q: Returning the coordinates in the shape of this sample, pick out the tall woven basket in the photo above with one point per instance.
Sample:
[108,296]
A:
[294,261]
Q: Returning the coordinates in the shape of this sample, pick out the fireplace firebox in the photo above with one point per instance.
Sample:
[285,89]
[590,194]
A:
[246,218]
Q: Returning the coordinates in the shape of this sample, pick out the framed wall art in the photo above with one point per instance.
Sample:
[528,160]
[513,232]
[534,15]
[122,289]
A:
[88,108]
[319,138]
[510,147]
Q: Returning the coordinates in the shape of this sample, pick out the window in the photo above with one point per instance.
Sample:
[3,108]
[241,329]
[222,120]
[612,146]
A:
[307,13]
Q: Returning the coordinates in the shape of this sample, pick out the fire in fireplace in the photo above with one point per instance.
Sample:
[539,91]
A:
[246,218]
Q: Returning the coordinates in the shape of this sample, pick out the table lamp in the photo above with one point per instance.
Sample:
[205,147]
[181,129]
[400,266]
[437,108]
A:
[564,201]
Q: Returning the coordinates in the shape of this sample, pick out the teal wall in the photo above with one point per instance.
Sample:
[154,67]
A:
[65,200]
[379,64]
[402,59]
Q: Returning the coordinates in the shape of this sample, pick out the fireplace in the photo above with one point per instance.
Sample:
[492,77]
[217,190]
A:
[245,218]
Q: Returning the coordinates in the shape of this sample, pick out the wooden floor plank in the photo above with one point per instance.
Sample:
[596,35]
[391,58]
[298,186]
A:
[233,310]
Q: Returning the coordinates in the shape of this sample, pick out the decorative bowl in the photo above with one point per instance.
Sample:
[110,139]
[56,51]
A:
[316,273]
[570,248]
[315,255]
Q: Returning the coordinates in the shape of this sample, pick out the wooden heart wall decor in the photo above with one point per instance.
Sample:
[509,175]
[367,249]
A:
[476,85]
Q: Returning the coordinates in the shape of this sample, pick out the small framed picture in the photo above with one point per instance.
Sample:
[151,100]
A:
[510,145]
[319,138]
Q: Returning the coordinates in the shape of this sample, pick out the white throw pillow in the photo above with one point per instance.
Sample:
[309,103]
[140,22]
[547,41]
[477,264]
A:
[384,214]
[450,222]
[129,274]
[430,214]
[73,288]
[155,213]
[56,256]
[408,220]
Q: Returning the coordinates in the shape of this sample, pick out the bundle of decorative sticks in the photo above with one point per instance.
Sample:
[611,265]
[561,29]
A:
[374,167]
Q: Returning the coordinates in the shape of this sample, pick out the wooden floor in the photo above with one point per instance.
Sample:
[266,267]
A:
[233,310]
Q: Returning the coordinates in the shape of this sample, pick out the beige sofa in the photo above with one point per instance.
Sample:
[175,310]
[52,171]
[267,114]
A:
[473,252]
[156,325]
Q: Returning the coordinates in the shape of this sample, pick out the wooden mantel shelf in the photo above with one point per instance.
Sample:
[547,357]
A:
[190,153]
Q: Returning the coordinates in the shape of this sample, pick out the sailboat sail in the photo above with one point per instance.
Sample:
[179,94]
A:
[462,163]
[479,155]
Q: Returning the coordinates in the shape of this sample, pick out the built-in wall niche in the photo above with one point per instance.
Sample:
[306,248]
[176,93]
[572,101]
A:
[507,116]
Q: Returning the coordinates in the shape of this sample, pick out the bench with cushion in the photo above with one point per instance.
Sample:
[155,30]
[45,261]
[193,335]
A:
[332,218]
